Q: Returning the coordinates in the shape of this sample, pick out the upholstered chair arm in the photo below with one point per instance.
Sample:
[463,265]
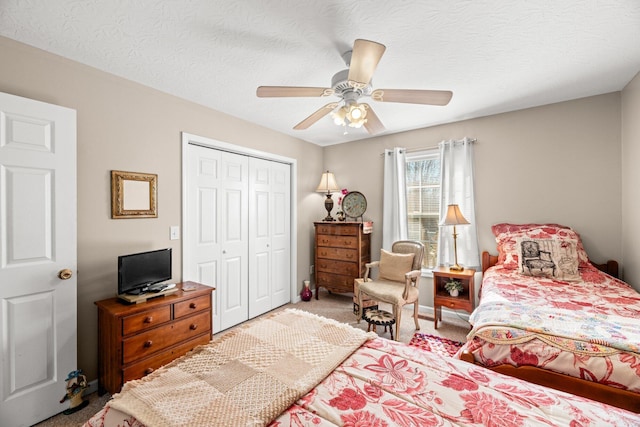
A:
[412,278]
[368,267]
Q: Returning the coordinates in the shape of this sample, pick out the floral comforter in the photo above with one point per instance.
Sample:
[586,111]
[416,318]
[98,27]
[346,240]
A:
[385,383]
[588,329]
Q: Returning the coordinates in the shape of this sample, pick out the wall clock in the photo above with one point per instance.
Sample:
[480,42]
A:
[354,204]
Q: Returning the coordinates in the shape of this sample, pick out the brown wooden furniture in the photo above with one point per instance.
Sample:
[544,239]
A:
[342,250]
[136,339]
[442,298]
[613,396]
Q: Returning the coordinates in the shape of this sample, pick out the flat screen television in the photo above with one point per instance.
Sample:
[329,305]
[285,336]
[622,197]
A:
[138,272]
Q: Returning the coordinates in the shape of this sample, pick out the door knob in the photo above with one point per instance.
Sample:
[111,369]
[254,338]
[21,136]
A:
[65,274]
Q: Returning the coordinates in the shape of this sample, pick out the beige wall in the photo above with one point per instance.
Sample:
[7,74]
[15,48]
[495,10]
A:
[556,163]
[630,180]
[126,126]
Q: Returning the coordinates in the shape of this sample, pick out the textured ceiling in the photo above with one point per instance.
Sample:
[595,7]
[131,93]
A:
[495,56]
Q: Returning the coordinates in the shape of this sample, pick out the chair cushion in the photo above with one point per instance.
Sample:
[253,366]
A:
[389,292]
[394,266]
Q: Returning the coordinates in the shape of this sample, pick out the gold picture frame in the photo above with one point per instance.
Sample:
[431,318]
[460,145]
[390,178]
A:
[133,195]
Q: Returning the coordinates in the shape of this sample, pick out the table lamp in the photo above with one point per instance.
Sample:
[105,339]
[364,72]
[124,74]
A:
[327,185]
[454,217]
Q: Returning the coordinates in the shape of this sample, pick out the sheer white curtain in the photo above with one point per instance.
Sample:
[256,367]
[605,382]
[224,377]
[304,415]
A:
[457,188]
[394,206]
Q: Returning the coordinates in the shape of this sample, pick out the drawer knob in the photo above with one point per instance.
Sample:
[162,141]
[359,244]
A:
[193,327]
[148,371]
[148,344]
[192,305]
[148,319]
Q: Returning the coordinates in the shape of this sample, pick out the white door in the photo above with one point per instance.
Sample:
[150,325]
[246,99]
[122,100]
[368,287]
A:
[202,241]
[269,235]
[216,230]
[233,215]
[260,257]
[37,241]
[281,234]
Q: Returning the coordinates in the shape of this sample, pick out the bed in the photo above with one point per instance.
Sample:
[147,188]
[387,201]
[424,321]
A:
[305,370]
[576,330]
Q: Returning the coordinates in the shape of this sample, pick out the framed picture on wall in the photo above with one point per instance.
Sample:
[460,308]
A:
[133,195]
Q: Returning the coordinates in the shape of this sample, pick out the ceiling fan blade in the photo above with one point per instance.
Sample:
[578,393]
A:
[292,91]
[323,111]
[373,125]
[364,60]
[411,96]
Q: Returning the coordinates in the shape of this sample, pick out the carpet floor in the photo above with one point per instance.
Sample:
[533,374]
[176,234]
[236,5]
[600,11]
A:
[453,328]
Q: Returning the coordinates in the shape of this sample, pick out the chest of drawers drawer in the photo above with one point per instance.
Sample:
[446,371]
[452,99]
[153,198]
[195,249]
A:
[146,320]
[338,267]
[338,253]
[158,339]
[350,242]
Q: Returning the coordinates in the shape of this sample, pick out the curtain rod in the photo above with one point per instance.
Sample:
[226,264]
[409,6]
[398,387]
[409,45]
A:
[412,150]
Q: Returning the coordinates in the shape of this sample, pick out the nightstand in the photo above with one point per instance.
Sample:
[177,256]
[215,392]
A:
[441,297]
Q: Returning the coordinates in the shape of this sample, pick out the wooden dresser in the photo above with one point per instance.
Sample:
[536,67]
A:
[342,249]
[136,339]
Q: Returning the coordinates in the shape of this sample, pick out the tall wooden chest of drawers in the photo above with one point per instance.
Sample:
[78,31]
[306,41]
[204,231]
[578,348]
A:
[136,339]
[342,250]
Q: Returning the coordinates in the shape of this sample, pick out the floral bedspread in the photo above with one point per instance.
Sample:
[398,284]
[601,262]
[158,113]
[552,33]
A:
[386,383]
[588,329]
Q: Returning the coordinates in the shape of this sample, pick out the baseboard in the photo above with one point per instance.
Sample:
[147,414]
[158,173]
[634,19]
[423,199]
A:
[92,387]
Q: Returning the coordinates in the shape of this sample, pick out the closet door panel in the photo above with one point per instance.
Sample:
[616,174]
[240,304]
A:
[233,229]
[280,234]
[260,277]
[202,242]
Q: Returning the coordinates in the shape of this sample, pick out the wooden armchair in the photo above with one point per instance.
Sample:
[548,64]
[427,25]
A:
[399,273]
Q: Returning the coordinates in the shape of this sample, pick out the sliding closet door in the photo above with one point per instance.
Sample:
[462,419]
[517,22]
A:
[269,235]
[216,235]
[234,300]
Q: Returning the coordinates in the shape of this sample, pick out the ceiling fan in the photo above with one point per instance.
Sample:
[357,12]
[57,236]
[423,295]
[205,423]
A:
[352,84]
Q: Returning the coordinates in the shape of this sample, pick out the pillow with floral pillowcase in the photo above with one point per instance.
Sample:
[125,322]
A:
[507,234]
[550,258]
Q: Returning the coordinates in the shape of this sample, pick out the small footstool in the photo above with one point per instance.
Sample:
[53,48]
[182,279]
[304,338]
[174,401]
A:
[379,318]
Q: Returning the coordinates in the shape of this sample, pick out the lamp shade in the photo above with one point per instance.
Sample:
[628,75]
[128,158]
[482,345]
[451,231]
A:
[454,216]
[327,183]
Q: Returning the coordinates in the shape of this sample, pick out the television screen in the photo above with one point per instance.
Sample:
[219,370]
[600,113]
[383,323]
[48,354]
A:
[137,272]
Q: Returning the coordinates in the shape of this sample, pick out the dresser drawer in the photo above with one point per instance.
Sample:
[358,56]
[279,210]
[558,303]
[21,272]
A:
[339,230]
[185,308]
[162,337]
[337,267]
[338,253]
[145,367]
[348,242]
[143,321]
[335,282]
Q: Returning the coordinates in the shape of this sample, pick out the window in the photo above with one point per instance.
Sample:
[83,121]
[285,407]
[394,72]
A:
[423,202]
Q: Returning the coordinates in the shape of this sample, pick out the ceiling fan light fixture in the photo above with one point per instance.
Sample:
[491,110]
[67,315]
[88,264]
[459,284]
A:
[339,115]
[356,115]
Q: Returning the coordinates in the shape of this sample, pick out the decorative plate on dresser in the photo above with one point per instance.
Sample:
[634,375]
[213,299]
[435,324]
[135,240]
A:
[354,204]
